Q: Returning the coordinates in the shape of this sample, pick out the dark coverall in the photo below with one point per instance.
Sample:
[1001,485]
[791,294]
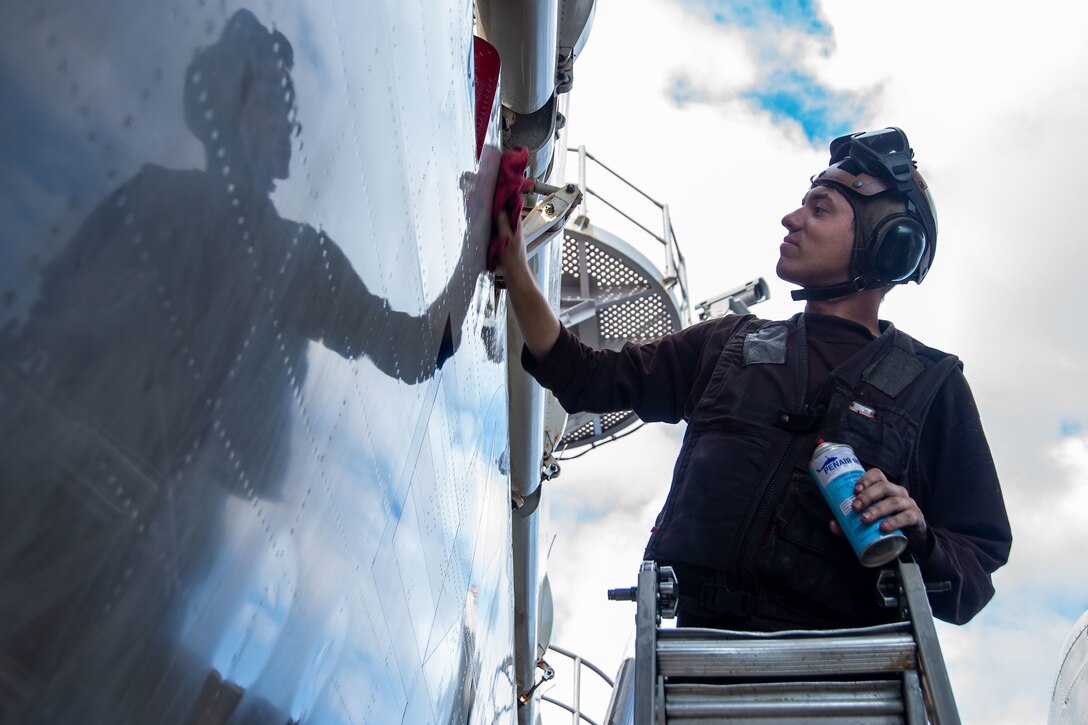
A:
[744,524]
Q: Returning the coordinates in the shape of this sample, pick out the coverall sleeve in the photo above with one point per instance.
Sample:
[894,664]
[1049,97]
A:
[960,496]
[653,379]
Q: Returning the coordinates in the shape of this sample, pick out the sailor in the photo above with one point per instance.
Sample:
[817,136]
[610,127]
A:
[744,526]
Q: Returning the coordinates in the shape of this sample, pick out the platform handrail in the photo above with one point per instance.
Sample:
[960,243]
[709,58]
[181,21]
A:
[575,709]
[675,264]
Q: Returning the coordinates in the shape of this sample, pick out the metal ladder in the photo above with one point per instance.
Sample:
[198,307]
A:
[891,673]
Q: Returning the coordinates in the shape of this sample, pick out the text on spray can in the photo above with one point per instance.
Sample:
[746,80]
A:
[837,469]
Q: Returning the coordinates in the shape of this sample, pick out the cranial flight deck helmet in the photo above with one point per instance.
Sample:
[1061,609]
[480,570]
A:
[895,221]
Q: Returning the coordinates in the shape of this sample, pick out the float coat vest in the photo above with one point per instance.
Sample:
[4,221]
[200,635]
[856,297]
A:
[743,502]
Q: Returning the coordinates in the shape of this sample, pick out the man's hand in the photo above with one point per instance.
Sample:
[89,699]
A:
[876,497]
[512,260]
[538,323]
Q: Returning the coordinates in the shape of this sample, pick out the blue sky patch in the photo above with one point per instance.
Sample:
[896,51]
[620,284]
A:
[1069,428]
[784,91]
[790,95]
[800,15]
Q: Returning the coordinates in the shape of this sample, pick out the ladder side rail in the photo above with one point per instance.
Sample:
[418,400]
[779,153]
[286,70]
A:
[646,645]
[934,672]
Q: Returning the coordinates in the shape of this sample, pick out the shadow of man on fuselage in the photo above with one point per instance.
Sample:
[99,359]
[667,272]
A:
[159,372]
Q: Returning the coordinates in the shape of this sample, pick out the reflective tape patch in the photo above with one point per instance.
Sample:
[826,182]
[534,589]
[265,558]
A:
[865,410]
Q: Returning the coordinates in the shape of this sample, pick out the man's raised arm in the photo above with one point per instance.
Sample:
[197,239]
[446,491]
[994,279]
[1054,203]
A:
[538,323]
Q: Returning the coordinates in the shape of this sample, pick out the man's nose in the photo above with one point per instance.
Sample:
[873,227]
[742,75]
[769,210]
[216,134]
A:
[790,221]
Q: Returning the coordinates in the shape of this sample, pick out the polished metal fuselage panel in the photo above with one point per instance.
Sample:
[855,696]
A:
[253,416]
[1069,700]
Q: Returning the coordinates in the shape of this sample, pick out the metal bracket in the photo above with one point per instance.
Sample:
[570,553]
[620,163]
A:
[890,593]
[665,601]
[549,215]
[668,601]
[540,224]
[549,469]
[887,588]
[564,71]
[524,506]
[548,673]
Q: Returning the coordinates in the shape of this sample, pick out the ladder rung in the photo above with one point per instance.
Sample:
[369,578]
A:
[772,658]
[879,698]
[771,719]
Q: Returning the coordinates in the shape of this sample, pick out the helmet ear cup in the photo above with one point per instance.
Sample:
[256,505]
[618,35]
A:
[897,249]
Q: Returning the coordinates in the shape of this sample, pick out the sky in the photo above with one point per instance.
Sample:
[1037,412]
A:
[724,110]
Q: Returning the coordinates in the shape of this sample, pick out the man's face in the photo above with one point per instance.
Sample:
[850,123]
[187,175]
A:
[817,249]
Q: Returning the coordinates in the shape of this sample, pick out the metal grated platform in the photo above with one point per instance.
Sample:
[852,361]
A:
[611,294]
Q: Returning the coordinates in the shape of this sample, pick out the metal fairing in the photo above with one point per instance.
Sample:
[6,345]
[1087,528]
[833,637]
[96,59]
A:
[253,416]
[1069,701]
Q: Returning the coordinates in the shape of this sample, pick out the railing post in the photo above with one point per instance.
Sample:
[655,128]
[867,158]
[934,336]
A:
[576,716]
[666,234]
[582,180]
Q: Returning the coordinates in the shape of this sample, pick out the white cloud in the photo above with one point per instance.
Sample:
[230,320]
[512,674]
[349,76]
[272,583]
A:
[624,484]
[1004,663]
[994,97]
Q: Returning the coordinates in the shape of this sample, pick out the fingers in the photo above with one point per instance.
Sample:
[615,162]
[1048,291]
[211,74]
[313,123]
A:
[874,487]
[506,229]
[512,260]
[878,498]
[870,478]
[906,518]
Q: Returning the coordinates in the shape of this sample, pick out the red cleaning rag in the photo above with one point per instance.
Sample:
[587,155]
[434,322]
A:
[509,191]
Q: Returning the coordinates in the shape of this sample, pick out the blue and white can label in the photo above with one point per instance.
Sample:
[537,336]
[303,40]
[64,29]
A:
[837,469]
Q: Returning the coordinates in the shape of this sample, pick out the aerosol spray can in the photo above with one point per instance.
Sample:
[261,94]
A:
[837,469]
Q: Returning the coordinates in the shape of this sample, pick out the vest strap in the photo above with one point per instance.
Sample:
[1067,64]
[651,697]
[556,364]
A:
[719,598]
